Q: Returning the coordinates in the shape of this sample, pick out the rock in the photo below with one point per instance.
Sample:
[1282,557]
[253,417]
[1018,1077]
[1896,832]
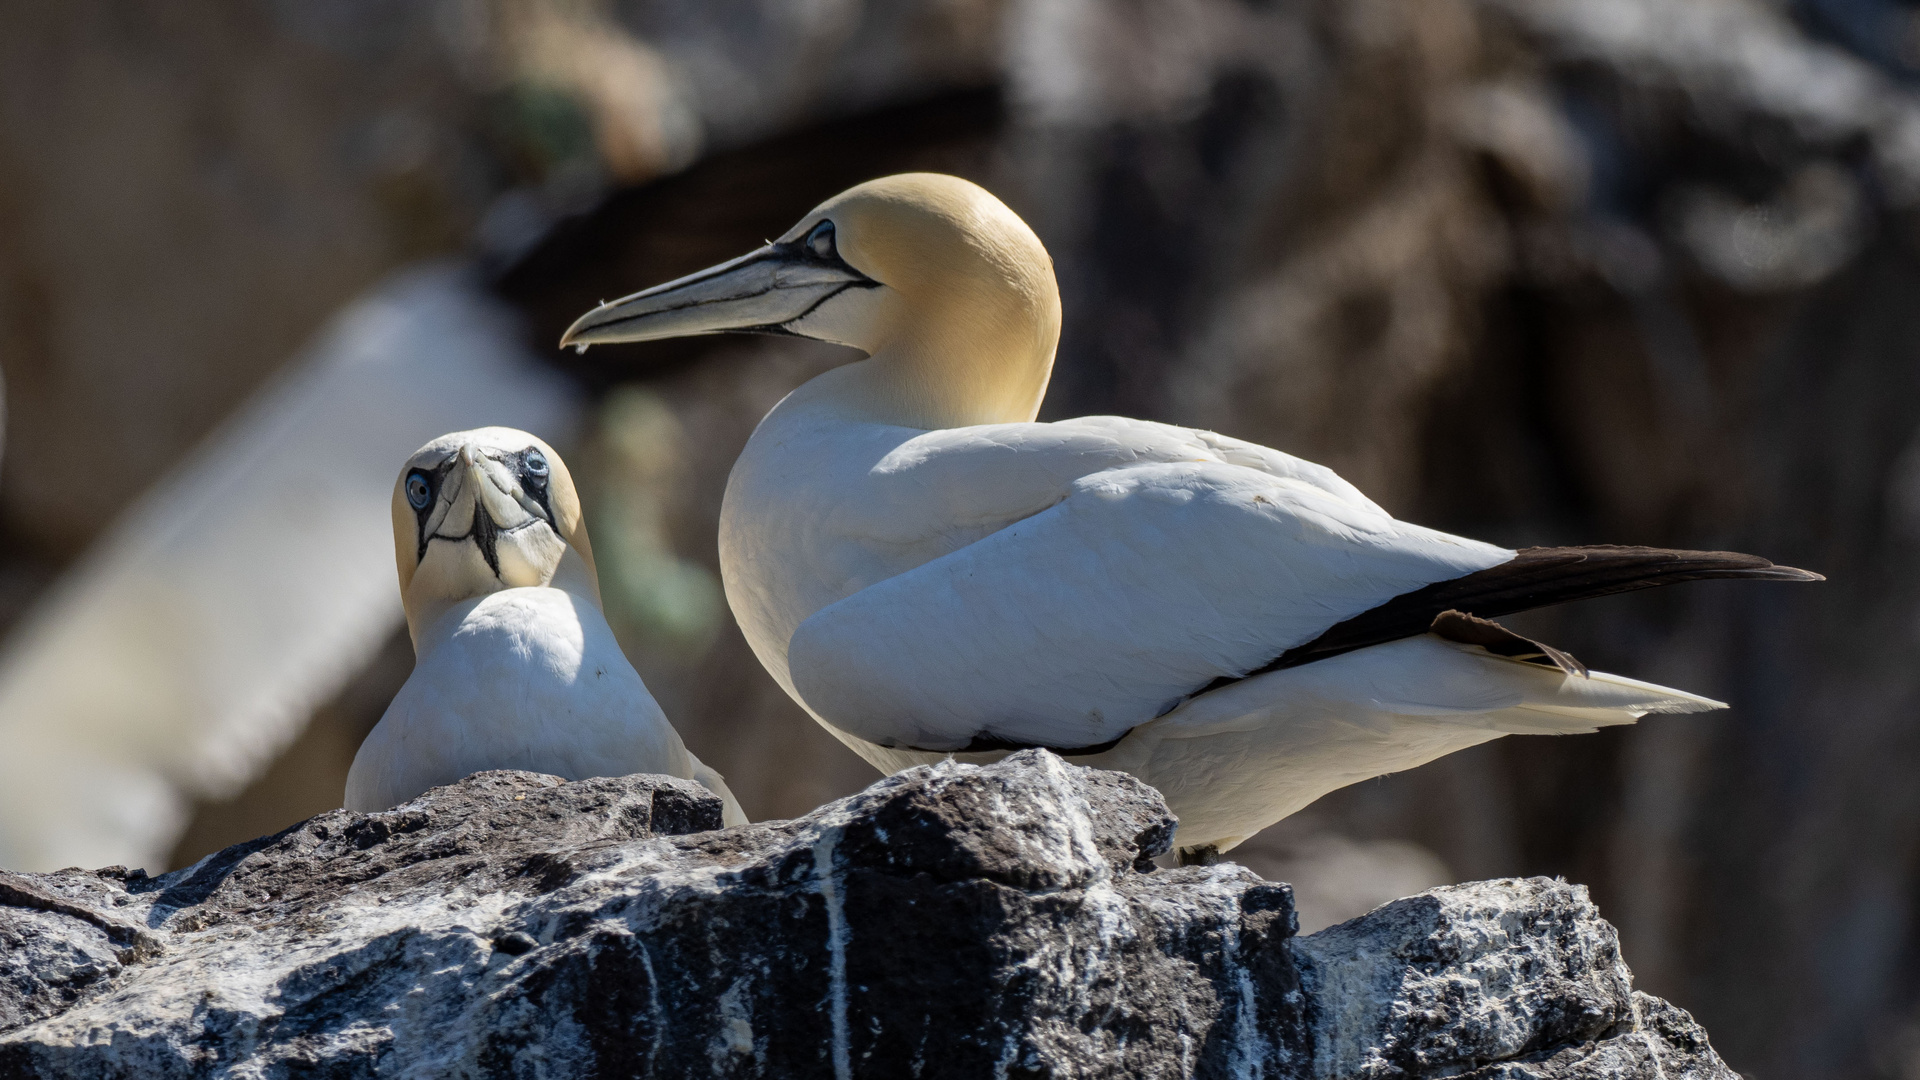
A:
[955,920]
[1515,978]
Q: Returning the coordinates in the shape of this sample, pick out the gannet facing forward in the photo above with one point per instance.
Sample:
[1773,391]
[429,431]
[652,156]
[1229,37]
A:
[929,572]
[515,667]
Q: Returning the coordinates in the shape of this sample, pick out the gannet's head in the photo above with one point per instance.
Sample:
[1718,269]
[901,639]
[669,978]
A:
[930,275]
[478,511]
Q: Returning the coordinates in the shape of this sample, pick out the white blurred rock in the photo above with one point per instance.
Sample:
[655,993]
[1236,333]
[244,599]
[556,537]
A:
[190,643]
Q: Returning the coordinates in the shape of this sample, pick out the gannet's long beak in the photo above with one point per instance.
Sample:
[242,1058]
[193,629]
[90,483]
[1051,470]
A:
[493,495]
[762,291]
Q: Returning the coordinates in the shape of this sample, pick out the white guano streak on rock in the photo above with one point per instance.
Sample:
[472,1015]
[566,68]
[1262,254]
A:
[1009,1050]
[735,1036]
[1360,990]
[827,879]
[1078,816]
[1244,1061]
[653,1003]
[251,976]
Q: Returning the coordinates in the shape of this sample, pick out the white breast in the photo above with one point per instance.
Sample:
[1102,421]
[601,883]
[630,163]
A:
[795,535]
[528,678]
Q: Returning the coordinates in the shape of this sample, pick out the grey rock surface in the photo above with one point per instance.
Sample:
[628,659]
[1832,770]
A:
[998,921]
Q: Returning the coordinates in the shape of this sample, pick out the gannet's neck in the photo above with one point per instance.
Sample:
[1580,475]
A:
[426,609]
[953,356]
[907,391]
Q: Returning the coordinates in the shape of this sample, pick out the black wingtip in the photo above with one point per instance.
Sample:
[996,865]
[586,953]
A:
[1641,567]
[1535,577]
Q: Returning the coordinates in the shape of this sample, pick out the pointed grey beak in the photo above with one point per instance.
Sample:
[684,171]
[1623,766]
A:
[760,292]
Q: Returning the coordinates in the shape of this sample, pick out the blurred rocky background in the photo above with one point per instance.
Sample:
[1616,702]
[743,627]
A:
[1540,271]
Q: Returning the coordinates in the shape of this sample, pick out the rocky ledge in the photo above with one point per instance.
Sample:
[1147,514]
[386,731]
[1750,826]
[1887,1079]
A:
[952,921]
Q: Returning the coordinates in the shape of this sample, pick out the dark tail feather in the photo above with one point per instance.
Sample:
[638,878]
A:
[1537,577]
[1459,610]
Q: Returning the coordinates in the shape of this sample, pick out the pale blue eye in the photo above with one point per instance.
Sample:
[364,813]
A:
[820,240]
[536,465]
[419,493]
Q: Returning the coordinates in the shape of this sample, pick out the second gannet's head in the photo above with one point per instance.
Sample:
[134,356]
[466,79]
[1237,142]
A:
[478,511]
[949,292]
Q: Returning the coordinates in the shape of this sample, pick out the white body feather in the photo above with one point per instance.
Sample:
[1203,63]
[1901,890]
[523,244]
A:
[527,678]
[1064,584]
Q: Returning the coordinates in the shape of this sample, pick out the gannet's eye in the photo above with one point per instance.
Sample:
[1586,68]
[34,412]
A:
[820,240]
[419,492]
[535,464]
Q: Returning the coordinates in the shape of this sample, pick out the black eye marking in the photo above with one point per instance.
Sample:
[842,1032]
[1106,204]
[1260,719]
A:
[535,471]
[423,508]
[821,244]
[820,240]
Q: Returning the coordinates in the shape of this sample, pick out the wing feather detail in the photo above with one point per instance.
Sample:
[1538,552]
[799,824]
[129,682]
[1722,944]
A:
[1536,577]
[1072,626]
[1089,576]
[1460,610]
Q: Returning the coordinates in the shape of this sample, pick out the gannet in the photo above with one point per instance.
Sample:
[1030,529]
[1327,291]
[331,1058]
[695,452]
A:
[515,667]
[929,572]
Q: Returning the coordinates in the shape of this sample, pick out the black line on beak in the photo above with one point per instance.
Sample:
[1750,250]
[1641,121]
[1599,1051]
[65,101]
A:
[485,535]
[791,253]
[780,328]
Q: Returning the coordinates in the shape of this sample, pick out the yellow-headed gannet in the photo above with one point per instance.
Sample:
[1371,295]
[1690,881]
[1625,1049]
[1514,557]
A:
[515,666]
[930,572]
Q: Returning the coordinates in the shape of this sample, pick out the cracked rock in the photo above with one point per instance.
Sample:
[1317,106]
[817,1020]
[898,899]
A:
[954,920]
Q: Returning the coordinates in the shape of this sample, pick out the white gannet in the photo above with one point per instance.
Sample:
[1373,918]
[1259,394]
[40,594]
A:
[514,664]
[929,572]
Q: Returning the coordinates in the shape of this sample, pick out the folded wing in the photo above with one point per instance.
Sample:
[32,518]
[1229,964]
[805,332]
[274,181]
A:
[1074,625]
